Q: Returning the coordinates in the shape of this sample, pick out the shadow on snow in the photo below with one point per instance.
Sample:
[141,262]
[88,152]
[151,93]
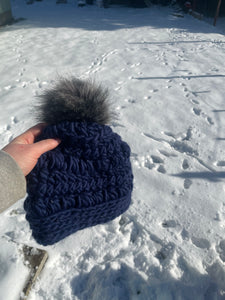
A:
[106,283]
[208,175]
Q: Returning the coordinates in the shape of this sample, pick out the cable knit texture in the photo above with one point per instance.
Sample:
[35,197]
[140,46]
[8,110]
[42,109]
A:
[85,181]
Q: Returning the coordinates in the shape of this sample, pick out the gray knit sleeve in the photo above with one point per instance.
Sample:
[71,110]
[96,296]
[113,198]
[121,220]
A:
[12,181]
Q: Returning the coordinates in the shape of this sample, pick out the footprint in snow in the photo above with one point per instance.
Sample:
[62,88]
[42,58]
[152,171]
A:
[161,169]
[10,234]
[156,159]
[117,88]
[16,212]
[169,224]
[166,252]
[197,111]
[221,250]
[170,134]
[9,87]
[41,84]
[115,124]
[167,154]
[147,97]
[195,101]
[210,121]
[132,101]
[201,242]
[148,164]
[14,120]
[187,183]
[130,227]
[185,234]
[185,164]
[151,162]
[221,163]
[153,91]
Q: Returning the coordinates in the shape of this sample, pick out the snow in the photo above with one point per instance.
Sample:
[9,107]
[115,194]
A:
[166,79]
[12,267]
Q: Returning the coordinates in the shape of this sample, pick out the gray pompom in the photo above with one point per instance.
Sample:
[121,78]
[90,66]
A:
[74,100]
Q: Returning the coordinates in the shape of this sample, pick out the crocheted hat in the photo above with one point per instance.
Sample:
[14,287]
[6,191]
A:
[85,181]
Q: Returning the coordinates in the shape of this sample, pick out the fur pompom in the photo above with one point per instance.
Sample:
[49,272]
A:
[74,100]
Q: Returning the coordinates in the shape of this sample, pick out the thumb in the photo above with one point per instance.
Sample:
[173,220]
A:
[43,146]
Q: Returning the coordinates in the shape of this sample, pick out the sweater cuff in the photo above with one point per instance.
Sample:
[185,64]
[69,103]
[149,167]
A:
[12,181]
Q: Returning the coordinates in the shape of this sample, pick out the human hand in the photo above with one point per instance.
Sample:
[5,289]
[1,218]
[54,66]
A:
[25,152]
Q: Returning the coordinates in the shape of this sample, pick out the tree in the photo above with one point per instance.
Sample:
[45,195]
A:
[5,12]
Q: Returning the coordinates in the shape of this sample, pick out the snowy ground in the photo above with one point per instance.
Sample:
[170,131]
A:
[166,77]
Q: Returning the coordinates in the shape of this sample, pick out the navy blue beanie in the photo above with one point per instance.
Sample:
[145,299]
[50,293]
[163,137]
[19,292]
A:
[85,181]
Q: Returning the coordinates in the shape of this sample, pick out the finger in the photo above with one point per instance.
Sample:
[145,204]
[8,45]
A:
[29,136]
[43,146]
